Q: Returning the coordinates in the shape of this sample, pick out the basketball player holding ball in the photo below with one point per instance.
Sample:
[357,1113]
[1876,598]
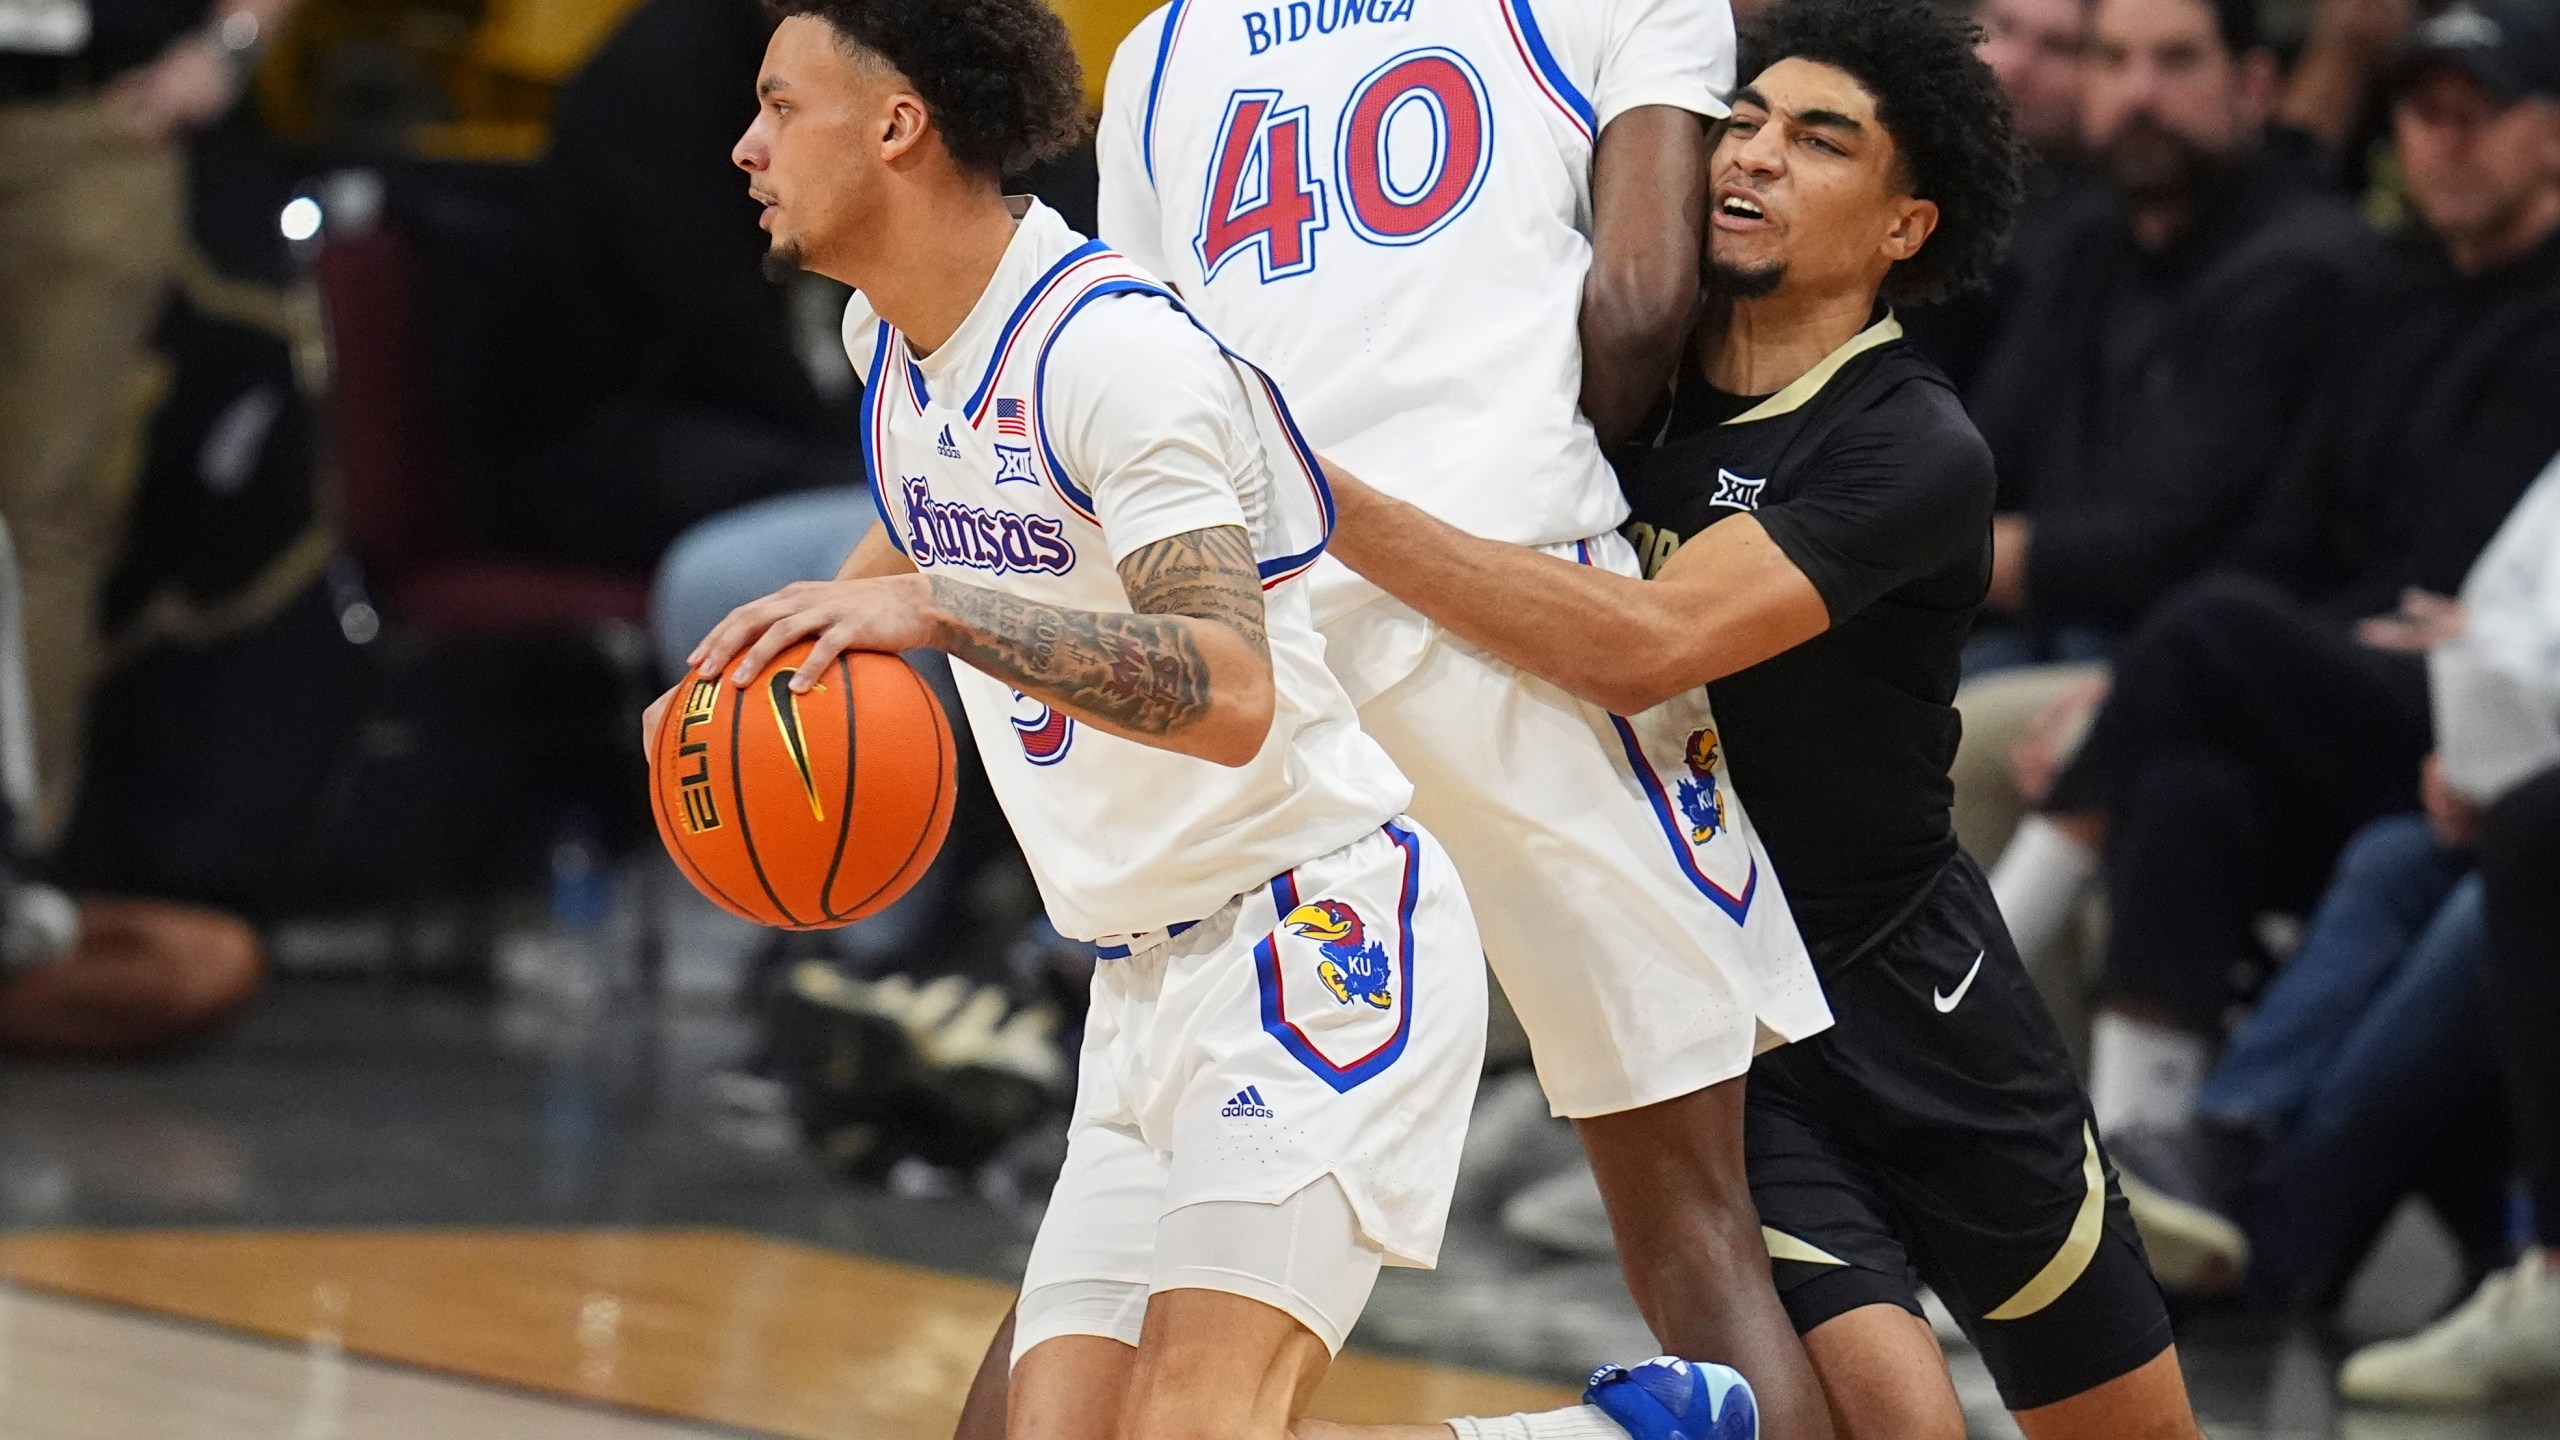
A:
[1107,518]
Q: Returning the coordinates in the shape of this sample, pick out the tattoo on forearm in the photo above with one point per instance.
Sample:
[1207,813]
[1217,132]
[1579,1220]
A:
[1142,672]
[1205,574]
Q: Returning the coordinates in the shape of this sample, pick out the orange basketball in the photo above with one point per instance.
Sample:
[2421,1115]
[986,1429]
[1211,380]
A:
[804,810]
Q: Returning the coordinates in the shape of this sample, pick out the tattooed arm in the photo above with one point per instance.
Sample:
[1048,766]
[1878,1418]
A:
[1189,670]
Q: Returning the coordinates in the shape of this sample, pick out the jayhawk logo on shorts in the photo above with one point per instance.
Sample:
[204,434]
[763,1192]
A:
[1354,966]
[1701,799]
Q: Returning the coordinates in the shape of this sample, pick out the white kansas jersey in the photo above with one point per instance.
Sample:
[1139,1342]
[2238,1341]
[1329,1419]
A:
[1387,204]
[1075,417]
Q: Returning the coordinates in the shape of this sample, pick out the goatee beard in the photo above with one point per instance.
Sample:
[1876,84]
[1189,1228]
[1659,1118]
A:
[782,261]
[1734,282]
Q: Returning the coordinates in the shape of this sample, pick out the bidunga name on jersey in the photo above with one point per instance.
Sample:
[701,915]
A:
[977,476]
[1330,182]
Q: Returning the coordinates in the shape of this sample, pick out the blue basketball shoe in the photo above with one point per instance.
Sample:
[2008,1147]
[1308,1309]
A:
[1672,1399]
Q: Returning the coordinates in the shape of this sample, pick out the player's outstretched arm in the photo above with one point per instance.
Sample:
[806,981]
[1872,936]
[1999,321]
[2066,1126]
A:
[1189,670]
[1725,601]
[1648,218]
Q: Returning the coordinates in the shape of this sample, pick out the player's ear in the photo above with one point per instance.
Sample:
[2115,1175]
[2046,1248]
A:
[903,125]
[1913,222]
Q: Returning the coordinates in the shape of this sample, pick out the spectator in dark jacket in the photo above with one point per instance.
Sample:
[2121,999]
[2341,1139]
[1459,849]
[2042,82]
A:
[2034,48]
[2139,401]
[659,381]
[2256,720]
[2144,387]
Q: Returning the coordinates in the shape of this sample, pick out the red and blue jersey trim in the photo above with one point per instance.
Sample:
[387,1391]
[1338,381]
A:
[1273,571]
[1173,14]
[1735,907]
[1267,975]
[1102,951]
[872,423]
[1534,53]
[1050,280]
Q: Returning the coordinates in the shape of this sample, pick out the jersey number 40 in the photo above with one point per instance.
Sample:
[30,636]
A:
[1410,151]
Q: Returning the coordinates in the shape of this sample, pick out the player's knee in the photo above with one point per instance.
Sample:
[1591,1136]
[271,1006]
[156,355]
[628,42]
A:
[1203,1411]
[1170,1416]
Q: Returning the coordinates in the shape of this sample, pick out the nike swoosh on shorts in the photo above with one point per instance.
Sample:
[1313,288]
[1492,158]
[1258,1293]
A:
[1946,1002]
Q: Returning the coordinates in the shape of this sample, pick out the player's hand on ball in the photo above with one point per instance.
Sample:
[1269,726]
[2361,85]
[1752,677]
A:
[891,613]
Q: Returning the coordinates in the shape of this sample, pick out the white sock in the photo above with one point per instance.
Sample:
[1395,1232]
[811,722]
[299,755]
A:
[1578,1422]
[2038,884]
[2141,1072]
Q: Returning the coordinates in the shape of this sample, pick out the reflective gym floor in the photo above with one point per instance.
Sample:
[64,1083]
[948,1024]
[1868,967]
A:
[390,1210]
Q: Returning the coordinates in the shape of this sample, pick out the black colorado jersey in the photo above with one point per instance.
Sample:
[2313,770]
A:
[1871,478]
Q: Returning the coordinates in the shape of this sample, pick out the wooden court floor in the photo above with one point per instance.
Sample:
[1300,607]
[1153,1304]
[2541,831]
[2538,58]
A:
[495,1334]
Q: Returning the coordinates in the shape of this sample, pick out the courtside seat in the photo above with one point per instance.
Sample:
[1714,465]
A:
[481,596]
[418,578]
[395,479]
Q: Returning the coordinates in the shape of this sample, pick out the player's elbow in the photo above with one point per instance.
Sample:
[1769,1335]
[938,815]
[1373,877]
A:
[1635,316]
[1643,298]
[1654,657]
[1640,297]
[1237,725]
[1629,694]
[1240,703]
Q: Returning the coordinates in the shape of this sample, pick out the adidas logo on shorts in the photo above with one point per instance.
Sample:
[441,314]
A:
[1246,1102]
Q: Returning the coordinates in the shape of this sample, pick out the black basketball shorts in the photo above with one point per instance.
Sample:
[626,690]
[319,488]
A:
[1938,1135]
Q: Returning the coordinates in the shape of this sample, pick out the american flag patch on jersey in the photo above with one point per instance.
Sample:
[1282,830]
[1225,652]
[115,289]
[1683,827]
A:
[1009,417]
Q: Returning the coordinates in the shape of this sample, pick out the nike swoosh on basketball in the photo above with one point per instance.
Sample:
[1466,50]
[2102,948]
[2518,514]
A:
[786,713]
[1946,1002]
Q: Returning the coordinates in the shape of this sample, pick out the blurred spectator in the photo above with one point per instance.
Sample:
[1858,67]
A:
[2333,96]
[2257,720]
[2342,1091]
[2172,317]
[120,976]
[2505,1340]
[2359,1076]
[96,976]
[2139,401]
[2498,696]
[659,382]
[96,98]
[2033,46]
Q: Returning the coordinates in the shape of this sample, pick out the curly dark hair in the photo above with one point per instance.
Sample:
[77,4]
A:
[1948,117]
[999,77]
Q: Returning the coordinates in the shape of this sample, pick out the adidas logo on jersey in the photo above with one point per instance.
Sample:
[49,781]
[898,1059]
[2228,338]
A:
[1246,1103]
[942,445]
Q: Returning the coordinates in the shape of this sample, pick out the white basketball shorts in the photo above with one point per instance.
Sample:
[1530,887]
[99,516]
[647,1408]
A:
[1327,1027]
[1626,904]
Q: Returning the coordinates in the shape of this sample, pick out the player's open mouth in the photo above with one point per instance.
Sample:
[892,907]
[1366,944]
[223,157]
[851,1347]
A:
[1739,211]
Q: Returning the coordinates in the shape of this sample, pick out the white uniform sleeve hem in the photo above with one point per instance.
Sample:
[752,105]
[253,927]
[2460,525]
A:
[1128,540]
[1696,102]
